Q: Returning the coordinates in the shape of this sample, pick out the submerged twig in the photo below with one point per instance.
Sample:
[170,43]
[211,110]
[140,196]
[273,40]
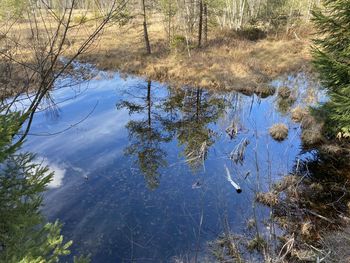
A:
[237,155]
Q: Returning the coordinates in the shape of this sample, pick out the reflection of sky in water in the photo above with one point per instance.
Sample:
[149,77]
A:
[103,196]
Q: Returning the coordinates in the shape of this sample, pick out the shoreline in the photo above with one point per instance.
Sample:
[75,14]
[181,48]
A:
[227,62]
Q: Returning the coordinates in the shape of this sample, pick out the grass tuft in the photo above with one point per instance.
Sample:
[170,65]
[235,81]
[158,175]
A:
[298,114]
[268,198]
[284,92]
[279,131]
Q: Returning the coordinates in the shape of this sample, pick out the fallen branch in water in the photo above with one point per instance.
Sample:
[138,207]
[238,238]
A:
[319,216]
[229,178]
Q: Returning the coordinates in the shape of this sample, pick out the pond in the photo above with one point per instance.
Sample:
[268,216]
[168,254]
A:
[141,167]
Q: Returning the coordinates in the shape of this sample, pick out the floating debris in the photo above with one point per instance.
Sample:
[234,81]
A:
[237,155]
[229,178]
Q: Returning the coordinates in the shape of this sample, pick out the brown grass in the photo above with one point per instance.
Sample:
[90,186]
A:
[312,133]
[268,198]
[284,92]
[279,131]
[226,62]
[298,113]
[337,243]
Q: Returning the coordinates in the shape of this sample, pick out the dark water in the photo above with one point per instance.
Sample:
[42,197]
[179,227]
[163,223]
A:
[140,167]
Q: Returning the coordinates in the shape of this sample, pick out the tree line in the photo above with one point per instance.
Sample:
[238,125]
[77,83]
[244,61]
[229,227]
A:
[185,20]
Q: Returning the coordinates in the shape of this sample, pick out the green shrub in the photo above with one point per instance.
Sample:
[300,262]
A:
[331,56]
[179,43]
[25,236]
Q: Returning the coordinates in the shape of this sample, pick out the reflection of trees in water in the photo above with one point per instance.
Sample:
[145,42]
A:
[191,113]
[146,136]
[184,113]
[146,145]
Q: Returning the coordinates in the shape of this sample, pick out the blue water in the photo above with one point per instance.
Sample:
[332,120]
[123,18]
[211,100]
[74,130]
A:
[131,181]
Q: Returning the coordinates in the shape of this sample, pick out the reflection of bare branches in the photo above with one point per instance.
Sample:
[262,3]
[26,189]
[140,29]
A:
[47,43]
[68,128]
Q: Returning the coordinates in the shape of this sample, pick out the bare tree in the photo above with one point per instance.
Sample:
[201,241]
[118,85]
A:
[145,29]
[205,29]
[200,23]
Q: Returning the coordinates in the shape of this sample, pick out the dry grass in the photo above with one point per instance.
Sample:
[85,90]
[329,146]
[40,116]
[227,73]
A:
[312,131]
[337,243]
[284,92]
[227,61]
[279,131]
[311,137]
[268,198]
[333,149]
[298,113]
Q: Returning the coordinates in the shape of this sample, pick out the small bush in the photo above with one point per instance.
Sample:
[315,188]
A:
[279,131]
[251,33]
[179,43]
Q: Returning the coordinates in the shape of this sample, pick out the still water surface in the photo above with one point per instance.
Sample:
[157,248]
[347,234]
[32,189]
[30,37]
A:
[140,167]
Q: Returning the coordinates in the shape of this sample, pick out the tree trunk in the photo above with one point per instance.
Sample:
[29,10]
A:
[242,9]
[145,31]
[200,24]
[205,23]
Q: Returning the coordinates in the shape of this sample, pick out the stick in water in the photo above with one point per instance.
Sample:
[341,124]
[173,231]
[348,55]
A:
[229,178]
